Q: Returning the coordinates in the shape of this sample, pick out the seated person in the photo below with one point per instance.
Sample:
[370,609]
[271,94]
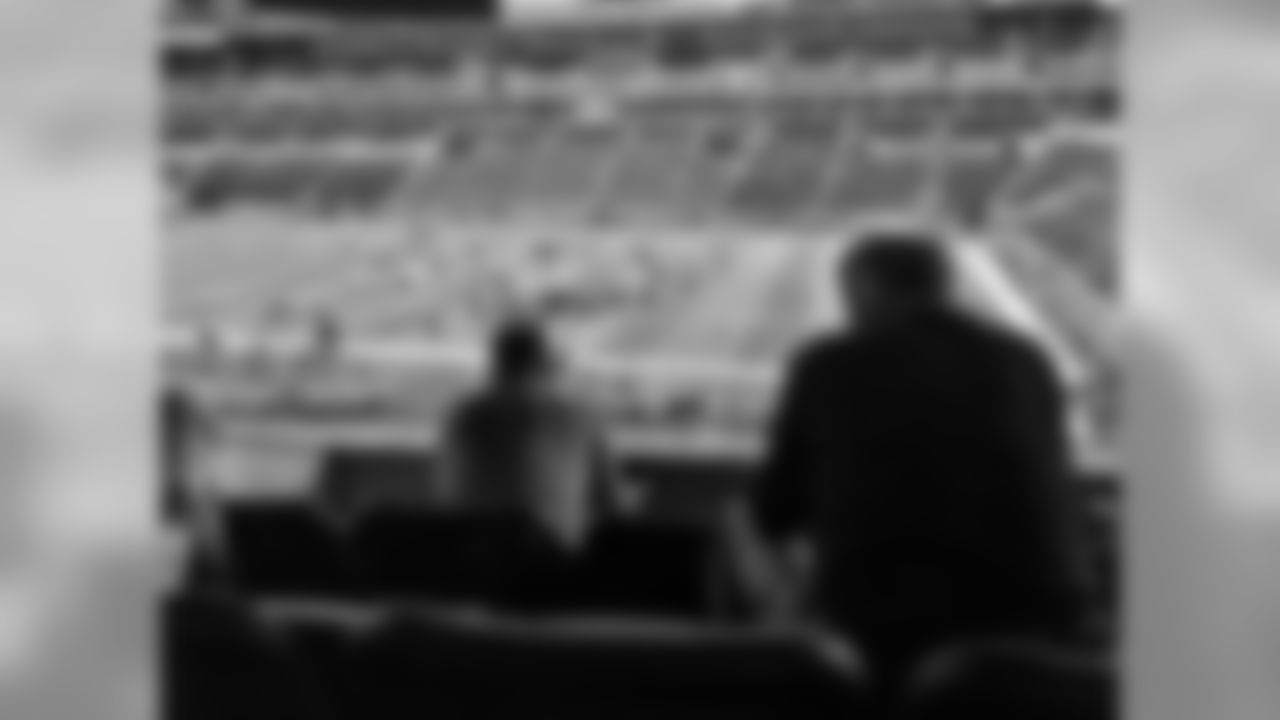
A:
[523,447]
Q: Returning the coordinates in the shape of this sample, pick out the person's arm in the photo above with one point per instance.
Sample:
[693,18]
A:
[763,533]
[1043,422]
[779,501]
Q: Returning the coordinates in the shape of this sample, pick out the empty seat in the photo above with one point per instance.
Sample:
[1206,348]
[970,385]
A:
[432,664]
[1014,681]
[287,549]
[411,554]
[650,569]
[221,664]
[324,637]
[353,479]
[417,553]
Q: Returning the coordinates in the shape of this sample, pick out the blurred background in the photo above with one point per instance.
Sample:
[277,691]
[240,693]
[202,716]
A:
[78,263]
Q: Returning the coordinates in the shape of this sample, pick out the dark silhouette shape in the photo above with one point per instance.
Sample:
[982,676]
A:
[428,663]
[1011,681]
[922,453]
[288,549]
[221,662]
[415,553]
[648,568]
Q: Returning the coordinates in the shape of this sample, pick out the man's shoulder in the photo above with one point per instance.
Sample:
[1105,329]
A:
[1003,340]
[1022,352]
[821,364]
[1017,356]
[470,402]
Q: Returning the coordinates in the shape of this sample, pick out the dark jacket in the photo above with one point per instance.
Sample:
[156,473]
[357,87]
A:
[929,465]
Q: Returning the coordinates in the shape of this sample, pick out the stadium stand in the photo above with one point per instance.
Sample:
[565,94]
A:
[221,663]
[414,553]
[652,570]
[661,564]
[366,179]
[287,549]
[658,192]
[1013,680]
[421,663]
[312,661]
[971,181]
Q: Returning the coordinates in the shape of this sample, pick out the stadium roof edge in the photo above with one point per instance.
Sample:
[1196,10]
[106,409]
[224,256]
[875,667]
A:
[580,12]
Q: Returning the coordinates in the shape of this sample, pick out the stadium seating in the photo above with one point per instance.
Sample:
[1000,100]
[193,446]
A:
[996,115]
[414,553]
[764,160]
[354,481]
[221,663]
[784,177]
[873,179]
[663,172]
[662,564]
[287,549]
[638,568]
[1014,680]
[325,637]
[649,569]
[192,120]
[899,118]
[358,179]
[688,491]
[1060,161]
[425,663]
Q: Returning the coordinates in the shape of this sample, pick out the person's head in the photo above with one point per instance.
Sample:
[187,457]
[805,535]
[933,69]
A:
[889,276]
[521,353]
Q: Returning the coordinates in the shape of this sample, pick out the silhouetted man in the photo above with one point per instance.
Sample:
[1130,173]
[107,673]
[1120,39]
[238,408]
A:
[921,453]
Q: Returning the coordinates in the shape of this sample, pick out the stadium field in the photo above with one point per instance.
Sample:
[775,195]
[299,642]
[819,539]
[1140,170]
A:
[681,355]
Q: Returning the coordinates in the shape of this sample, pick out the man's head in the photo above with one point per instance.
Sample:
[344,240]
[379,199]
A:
[892,276]
[521,352]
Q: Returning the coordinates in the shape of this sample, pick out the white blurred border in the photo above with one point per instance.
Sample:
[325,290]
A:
[78,251]
[77,301]
[1204,287]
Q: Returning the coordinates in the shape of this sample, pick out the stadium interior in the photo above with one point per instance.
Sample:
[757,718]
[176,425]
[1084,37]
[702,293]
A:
[352,207]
